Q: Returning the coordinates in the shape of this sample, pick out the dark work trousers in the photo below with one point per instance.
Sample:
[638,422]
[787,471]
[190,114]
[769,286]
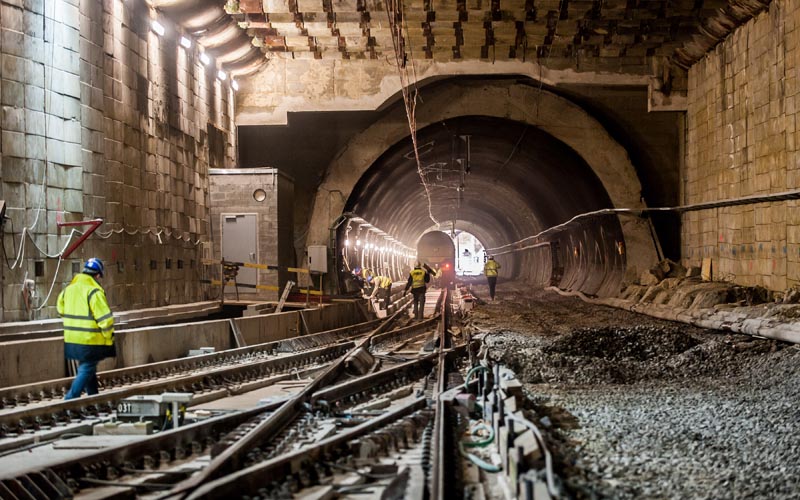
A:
[492,283]
[419,302]
[384,295]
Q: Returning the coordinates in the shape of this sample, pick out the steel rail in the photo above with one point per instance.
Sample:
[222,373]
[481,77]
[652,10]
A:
[169,445]
[188,437]
[252,478]
[438,476]
[256,476]
[35,416]
[51,389]
[176,442]
[233,458]
[404,333]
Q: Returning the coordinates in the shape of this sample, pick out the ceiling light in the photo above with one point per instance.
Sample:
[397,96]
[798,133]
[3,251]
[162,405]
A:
[235,85]
[204,59]
[157,28]
[222,75]
[186,43]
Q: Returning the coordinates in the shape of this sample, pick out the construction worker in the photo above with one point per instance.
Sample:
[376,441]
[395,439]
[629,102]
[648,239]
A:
[437,276]
[417,281]
[88,326]
[490,270]
[382,289]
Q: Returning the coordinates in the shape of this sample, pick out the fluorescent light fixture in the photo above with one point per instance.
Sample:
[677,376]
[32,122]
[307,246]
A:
[157,28]
[222,75]
[186,43]
[235,85]
[204,59]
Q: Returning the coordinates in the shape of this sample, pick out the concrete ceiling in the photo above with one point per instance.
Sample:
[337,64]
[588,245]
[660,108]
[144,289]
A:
[585,35]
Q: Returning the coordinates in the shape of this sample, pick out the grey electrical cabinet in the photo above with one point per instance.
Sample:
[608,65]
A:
[318,258]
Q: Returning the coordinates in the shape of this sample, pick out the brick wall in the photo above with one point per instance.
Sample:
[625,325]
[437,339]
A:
[742,140]
[102,118]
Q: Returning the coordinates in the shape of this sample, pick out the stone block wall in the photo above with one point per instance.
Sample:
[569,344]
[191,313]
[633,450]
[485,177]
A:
[742,140]
[233,192]
[102,118]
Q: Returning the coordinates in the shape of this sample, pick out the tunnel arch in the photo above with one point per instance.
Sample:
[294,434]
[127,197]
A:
[512,101]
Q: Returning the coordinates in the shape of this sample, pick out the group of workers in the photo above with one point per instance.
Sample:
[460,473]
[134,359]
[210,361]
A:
[89,323]
[417,282]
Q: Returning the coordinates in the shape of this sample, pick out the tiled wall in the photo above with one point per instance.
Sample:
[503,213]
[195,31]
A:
[742,141]
[102,118]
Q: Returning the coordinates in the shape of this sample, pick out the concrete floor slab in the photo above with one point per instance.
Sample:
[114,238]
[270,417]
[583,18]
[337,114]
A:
[59,451]
[281,390]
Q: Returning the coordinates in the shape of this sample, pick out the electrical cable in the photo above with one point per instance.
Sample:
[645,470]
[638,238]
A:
[548,460]
[394,9]
[481,443]
[471,371]
[13,242]
[744,200]
[52,285]
[482,464]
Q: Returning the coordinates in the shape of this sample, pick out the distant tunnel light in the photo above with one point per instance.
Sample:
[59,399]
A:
[205,59]
[347,243]
[222,75]
[358,243]
[234,85]
[157,28]
[186,43]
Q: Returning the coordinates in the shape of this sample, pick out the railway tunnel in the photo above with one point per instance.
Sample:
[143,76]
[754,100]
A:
[500,190]
[498,158]
[259,178]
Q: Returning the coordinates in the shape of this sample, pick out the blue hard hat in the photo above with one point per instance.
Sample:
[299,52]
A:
[357,270]
[369,279]
[94,266]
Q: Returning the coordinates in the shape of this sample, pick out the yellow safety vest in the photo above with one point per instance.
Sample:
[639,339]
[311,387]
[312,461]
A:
[491,267]
[383,281]
[417,278]
[84,309]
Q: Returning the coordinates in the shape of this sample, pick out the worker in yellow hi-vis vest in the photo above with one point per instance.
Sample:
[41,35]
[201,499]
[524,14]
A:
[490,270]
[382,289]
[88,326]
[418,279]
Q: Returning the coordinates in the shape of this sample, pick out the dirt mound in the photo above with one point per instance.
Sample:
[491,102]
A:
[639,343]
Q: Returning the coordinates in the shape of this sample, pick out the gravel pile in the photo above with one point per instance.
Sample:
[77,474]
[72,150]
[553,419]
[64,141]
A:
[645,409]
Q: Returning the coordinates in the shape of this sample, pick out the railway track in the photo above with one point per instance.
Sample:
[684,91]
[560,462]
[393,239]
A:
[384,415]
[36,406]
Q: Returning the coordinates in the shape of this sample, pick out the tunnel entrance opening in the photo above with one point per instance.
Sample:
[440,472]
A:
[471,254]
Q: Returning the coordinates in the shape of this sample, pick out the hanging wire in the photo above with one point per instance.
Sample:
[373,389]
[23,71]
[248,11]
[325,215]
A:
[638,212]
[394,10]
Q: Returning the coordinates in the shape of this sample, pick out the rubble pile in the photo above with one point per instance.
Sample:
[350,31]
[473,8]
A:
[636,407]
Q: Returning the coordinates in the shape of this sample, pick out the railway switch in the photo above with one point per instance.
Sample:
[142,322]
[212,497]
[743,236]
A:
[170,406]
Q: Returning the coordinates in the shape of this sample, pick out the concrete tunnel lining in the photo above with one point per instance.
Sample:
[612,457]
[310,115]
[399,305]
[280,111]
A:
[515,187]
[522,103]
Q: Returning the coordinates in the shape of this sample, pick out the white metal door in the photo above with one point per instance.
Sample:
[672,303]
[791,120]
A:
[239,244]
